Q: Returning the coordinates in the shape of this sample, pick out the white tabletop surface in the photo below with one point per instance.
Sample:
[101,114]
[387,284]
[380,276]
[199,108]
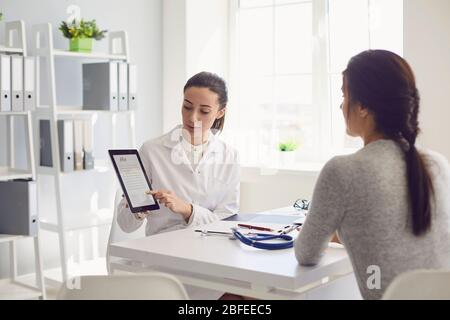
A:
[218,256]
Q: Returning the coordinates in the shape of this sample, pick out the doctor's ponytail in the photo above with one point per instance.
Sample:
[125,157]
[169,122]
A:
[217,85]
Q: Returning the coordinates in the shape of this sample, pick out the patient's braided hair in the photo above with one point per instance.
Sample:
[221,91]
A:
[384,83]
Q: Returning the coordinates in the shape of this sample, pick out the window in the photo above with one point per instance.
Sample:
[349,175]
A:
[285,78]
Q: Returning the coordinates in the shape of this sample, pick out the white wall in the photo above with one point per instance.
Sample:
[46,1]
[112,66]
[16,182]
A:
[427,49]
[174,60]
[195,38]
[142,19]
[207,37]
[260,191]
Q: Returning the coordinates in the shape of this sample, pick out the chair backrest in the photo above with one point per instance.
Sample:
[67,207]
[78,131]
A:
[149,286]
[420,284]
[116,234]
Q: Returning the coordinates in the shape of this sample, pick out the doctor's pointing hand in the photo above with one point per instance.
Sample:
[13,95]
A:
[171,201]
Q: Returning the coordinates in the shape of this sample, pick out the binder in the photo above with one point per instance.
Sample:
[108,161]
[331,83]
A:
[123,86]
[132,86]
[78,144]
[45,155]
[17,83]
[18,207]
[88,160]
[100,86]
[5,83]
[65,137]
[29,83]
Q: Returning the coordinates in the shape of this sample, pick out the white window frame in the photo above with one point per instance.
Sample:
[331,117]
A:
[320,78]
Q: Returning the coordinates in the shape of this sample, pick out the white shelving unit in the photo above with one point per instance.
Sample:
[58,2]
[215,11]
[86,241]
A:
[16,287]
[67,223]
[22,287]
[10,171]
[4,49]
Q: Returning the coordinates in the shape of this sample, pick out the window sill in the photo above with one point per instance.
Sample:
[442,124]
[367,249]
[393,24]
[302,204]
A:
[301,168]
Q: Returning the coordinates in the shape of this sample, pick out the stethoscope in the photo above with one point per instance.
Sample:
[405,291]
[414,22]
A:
[257,240]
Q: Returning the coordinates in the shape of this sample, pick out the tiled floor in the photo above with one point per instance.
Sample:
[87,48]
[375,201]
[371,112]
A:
[51,293]
[9,290]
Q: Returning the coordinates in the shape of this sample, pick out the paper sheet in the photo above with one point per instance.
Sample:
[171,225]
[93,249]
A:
[134,180]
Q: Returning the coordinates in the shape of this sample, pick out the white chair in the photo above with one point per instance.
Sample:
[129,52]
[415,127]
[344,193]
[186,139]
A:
[150,286]
[420,285]
[117,235]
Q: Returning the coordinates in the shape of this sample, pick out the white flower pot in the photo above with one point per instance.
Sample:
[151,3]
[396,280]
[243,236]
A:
[286,158]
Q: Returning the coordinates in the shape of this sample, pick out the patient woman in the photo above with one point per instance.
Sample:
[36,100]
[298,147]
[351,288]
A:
[194,174]
[390,201]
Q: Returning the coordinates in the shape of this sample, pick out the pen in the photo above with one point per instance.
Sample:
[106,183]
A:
[284,228]
[291,228]
[206,232]
[248,226]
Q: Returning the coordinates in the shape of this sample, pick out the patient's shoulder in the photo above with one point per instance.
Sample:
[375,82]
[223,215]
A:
[338,167]
[437,163]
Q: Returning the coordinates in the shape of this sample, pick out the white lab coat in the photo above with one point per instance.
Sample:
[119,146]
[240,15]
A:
[212,187]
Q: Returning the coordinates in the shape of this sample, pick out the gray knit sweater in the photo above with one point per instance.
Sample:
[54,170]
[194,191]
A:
[364,197]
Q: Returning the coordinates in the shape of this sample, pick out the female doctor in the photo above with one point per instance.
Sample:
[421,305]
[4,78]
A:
[194,175]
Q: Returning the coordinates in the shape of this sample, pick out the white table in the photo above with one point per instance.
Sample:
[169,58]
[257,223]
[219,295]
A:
[216,262]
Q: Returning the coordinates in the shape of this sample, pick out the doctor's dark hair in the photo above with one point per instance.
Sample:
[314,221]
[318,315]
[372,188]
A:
[384,83]
[217,85]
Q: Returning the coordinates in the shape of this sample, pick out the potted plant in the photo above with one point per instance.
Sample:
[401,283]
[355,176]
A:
[289,145]
[80,34]
[287,154]
[1,16]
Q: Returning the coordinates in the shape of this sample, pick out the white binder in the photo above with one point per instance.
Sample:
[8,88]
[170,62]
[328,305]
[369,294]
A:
[29,83]
[17,83]
[88,159]
[5,83]
[78,143]
[123,86]
[132,86]
[65,135]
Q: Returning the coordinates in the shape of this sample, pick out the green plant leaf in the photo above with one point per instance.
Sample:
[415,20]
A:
[287,146]
[82,29]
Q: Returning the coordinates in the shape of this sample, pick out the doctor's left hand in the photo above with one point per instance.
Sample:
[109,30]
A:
[171,201]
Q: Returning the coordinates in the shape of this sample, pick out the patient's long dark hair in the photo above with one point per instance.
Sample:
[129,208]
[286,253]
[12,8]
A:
[384,83]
